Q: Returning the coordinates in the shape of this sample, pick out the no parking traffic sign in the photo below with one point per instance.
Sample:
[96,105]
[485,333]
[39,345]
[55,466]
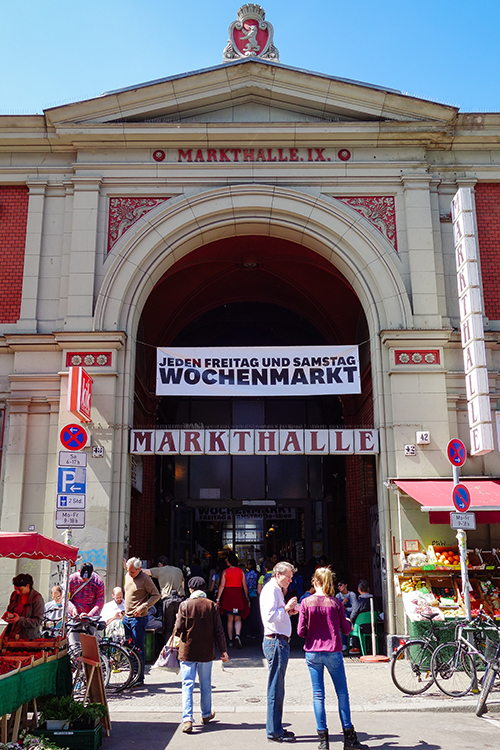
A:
[456,452]
[461,497]
[74,437]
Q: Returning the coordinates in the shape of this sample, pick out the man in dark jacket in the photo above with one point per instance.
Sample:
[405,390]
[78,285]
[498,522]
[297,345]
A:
[199,626]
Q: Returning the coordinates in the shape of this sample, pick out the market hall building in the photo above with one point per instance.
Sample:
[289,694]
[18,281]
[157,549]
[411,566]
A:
[211,248]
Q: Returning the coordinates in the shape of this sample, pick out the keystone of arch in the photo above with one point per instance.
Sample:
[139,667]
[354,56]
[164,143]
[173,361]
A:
[329,227]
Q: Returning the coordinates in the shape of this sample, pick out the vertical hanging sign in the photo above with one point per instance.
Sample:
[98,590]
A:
[80,394]
[471,324]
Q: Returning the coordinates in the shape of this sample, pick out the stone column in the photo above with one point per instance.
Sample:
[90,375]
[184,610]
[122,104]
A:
[82,256]
[27,320]
[422,262]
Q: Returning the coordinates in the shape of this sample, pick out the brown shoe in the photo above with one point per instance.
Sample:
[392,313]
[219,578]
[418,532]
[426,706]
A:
[187,727]
[206,719]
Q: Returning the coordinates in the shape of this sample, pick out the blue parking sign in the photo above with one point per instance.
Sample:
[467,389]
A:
[71,480]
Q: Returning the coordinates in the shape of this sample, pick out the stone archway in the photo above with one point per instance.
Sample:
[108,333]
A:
[322,224]
[171,231]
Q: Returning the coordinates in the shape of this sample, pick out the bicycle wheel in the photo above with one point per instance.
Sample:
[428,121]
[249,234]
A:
[121,670]
[138,666]
[411,667]
[78,678]
[453,669]
[488,680]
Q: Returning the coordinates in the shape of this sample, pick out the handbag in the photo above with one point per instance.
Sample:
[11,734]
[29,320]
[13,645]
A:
[169,656]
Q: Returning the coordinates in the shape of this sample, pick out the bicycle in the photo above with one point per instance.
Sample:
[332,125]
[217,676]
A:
[411,662]
[492,654]
[453,664]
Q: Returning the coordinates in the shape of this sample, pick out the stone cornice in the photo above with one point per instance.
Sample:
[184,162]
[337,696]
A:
[60,340]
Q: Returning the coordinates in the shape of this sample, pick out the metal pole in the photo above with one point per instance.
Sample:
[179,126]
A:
[462,550]
[67,540]
[374,631]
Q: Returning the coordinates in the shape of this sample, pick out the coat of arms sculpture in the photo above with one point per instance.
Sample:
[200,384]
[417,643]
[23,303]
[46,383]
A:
[250,36]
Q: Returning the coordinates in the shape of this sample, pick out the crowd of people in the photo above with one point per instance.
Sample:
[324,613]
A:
[219,603]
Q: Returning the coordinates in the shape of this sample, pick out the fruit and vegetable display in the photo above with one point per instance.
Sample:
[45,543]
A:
[491,596]
[413,584]
[446,557]
[16,655]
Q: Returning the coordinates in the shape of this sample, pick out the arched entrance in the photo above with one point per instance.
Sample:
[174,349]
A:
[252,291]
[319,234]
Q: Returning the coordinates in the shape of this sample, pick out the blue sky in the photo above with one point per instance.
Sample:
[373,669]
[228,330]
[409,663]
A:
[56,52]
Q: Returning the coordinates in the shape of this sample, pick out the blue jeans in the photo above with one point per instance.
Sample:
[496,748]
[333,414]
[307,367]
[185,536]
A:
[334,662]
[135,628]
[188,674]
[276,652]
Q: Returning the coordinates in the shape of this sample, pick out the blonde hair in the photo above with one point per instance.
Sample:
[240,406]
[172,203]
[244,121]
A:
[324,577]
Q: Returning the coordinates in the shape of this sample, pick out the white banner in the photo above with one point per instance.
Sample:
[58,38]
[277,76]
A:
[267,371]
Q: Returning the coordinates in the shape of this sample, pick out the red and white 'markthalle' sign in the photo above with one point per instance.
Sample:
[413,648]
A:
[80,394]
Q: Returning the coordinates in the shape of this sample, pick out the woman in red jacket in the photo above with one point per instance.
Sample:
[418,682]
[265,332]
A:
[233,598]
[25,611]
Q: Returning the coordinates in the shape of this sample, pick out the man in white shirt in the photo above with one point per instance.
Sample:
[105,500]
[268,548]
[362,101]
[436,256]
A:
[275,615]
[112,613]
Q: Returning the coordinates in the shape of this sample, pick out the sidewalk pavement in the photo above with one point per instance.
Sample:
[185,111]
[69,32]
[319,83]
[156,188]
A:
[240,688]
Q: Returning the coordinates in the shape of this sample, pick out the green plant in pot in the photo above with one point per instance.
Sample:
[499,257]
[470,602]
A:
[65,711]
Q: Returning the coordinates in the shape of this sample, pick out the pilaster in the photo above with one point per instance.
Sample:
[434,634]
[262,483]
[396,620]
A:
[83,253]
[31,273]
[422,261]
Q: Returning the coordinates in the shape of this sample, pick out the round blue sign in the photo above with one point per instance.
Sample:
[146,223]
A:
[456,452]
[461,498]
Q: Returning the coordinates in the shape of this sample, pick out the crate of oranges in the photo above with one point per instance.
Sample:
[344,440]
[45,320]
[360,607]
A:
[445,558]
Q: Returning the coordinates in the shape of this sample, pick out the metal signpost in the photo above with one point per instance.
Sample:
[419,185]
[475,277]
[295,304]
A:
[71,497]
[457,456]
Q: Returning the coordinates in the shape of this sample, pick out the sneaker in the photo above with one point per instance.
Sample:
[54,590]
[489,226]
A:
[187,727]
[355,651]
[238,642]
[206,719]
[230,644]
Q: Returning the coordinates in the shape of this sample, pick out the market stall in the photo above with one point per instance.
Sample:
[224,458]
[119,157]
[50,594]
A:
[31,669]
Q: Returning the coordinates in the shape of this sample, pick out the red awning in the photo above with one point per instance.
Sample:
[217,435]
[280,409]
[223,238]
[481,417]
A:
[434,495]
[35,547]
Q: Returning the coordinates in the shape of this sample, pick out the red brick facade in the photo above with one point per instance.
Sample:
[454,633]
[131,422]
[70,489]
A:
[13,218]
[488,225]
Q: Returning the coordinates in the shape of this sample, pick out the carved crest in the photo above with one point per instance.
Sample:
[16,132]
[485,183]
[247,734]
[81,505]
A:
[250,36]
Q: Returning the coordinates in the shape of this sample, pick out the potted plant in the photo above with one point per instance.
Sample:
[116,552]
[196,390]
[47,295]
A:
[59,712]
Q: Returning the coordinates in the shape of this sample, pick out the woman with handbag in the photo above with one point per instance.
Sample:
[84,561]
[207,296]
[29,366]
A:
[199,626]
[233,598]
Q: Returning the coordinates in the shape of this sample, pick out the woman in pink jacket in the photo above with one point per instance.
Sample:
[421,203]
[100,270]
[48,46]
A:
[321,621]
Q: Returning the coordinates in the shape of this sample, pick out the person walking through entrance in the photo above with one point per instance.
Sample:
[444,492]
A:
[233,599]
[275,613]
[171,580]
[321,621]
[199,626]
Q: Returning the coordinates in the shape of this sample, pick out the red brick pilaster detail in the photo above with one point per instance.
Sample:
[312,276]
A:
[360,476]
[13,220]
[142,514]
[488,227]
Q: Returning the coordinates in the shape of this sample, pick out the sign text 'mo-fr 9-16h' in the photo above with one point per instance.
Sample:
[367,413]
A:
[266,371]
